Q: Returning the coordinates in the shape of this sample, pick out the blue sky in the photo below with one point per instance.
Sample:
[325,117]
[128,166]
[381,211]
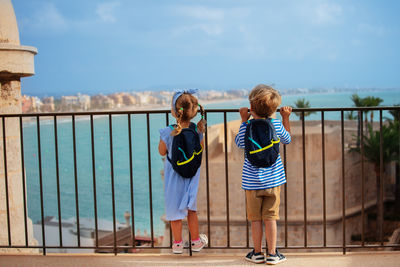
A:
[123,45]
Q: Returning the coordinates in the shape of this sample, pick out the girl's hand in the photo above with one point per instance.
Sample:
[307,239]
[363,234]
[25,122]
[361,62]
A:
[244,113]
[285,111]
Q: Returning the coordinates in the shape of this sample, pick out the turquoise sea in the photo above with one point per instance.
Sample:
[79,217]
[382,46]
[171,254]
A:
[84,172]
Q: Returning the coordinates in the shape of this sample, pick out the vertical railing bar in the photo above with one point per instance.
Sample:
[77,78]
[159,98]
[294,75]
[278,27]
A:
[170,229]
[76,182]
[58,180]
[247,223]
[304,176]
[150,182]
[94,180]
[41,185]
[362,178]
[131,181]
[381,175]
[112,184]
[21,133]
[285,196]
[207,185]
[323,174]
[226,181]
[343,184]
[6,181]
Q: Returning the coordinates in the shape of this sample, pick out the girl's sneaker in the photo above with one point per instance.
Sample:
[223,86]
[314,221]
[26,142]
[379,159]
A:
[276,258]
[200,243]
[255,257]
[177,248]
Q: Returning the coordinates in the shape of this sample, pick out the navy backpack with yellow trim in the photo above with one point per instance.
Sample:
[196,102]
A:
[186,152]
[261,143]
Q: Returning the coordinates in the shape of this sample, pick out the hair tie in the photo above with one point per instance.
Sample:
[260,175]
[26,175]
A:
[178,93]
[181,109]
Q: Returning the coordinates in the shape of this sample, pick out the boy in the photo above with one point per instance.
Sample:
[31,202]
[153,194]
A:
[262,185]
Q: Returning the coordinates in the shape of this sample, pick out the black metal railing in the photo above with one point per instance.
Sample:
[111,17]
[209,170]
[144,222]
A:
[22,119]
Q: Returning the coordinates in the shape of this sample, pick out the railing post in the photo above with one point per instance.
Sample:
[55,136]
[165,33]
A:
[303,134]
[343,184]
[361,127]
[112,183]
[226,182]
[323,175]
[58,180]
[41,184]
[150,182]
[6,180]
[131,181]
[23,180]
[94,180]
[207,184]
[76,183]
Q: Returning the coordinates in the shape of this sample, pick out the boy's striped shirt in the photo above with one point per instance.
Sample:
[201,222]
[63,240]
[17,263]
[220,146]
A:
[254,178]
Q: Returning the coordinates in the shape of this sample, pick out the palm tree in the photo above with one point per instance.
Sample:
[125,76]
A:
[395,113]
[351,115]
[371,101]
[390,148]
[303,103]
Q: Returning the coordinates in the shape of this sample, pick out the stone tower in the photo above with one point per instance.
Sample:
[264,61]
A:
[16,61]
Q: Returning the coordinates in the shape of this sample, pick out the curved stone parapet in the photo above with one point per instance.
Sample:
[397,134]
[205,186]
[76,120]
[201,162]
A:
[16,61]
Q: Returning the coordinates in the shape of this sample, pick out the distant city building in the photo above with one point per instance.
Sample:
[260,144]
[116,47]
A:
[118,99]
[101,102]
[30,104]
[26,102]
[84,101]
[69,103]
[129,100]
[47,104]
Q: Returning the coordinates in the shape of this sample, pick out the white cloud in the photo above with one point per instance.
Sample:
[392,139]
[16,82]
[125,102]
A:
[327,13]
[371,29]
[106,11]
[209,29]
[47,17]
[200,12]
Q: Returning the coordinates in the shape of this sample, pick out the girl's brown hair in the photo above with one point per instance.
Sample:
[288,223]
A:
[186,109]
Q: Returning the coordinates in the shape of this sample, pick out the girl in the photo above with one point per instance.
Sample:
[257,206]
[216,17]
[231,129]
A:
[181,193]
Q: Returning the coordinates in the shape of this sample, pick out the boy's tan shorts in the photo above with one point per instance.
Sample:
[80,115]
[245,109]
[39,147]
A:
[263,204]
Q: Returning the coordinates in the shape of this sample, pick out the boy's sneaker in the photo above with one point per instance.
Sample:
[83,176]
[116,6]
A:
[177,248]
[200,243]
[255,257]
[275,259]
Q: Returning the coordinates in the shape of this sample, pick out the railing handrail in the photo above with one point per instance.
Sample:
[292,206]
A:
[161,111]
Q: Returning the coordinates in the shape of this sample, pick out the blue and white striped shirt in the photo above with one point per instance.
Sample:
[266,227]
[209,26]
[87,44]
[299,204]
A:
[254,178]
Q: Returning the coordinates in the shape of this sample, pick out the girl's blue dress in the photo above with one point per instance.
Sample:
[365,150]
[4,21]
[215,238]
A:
[180,193]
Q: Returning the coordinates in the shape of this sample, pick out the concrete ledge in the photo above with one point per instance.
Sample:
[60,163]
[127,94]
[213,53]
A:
[201,259]
[17,60]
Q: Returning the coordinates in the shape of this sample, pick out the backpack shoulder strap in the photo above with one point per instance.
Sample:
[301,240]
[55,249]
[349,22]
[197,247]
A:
[193,126]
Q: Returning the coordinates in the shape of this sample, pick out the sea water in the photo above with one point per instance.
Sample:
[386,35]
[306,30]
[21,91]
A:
[79,177]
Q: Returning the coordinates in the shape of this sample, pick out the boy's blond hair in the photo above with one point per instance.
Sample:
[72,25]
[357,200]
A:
[264,100]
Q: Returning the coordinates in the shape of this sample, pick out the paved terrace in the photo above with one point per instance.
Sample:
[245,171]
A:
[294,259]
